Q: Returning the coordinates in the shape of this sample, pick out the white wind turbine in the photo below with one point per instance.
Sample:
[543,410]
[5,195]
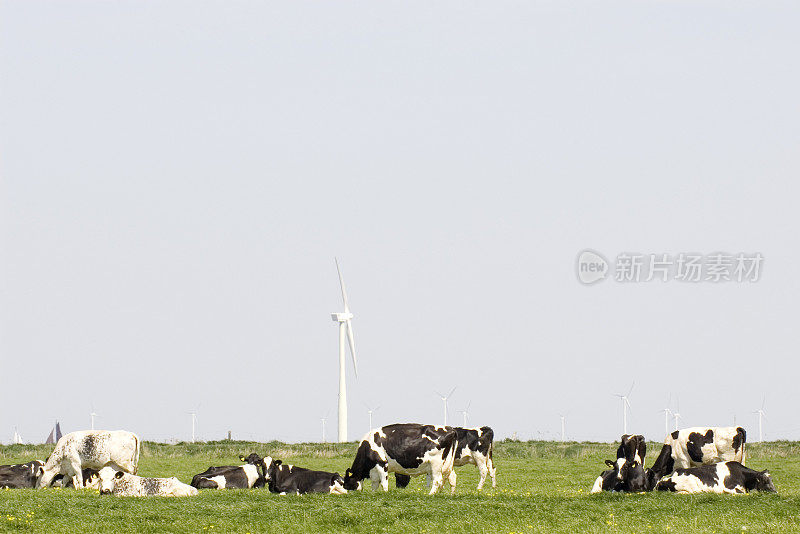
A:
[444,401]
[17,437]
[761,415]
[677,415]
[324,420]
[194,424]
[465,413]
[667,413]
[345,331]
[92,415]
[563,427]
[370,411]
[626,406]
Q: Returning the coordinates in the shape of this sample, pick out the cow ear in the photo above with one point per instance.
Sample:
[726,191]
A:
[609,463]
[242,458]
[347,472]
[277,462]
[119,474]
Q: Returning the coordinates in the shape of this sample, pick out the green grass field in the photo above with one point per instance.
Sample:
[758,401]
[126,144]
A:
[542,487]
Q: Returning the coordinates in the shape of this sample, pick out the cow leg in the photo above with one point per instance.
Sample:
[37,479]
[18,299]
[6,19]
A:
[77,475]
[379,477]
[483,469]
[436,483]
[452,480]
[492,470]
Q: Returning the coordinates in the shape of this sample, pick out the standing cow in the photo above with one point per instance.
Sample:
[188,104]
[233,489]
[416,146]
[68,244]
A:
[474,446]
[406,448]
[90,448]
[692,447]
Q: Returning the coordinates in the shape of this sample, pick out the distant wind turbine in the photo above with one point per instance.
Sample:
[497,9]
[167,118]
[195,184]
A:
[563,428]
[17,437]
[761,415]
[677,415]
[667,413]
[370,412]
[324,420]
[194,424]
[465,413]
[345,331]
[444,401]
[626,405]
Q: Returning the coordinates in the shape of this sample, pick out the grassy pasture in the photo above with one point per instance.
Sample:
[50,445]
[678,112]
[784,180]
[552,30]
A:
[542,487]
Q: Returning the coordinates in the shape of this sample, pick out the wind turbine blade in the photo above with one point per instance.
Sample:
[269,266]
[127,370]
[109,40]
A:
[341,283]
[451,392]
[629,391]
[763,400]
[440,395]
[468,405]
[628,403]
[352,343]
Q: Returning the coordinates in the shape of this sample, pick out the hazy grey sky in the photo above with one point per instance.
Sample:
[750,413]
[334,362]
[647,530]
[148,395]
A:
[177,178]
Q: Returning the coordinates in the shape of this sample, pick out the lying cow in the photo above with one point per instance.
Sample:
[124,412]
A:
[121,484]
[287,479]
[406,448]
[19,476]
[723,477]
[244,476]
[60,481]
[623,476]
[474,446]
[692,447]
[91,448]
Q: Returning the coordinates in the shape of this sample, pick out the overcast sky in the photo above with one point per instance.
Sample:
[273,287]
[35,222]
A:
[177,178]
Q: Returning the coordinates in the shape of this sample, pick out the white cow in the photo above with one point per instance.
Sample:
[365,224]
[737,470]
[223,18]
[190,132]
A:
[93,449]
[121,484]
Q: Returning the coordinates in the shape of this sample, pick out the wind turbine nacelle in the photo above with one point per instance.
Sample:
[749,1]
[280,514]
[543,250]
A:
[341,317]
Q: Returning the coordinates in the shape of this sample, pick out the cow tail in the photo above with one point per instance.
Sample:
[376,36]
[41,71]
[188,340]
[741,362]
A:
[449,454]
[136,455]
[741,431]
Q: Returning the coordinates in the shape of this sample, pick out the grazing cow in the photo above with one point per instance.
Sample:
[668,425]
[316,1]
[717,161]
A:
[91,448]
[692,447]
[285,479]
[20,475]
[474,446]
[623,476]
[244,476]
[405,448]
[722,477]
[112,482]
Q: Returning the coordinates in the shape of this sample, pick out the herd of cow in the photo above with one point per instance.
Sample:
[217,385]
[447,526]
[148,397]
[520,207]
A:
[108,461]
[693,460]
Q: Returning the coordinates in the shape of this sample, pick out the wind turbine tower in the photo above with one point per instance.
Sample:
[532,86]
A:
[444,401]
[345,331]
[563,428]
[626,406]
[761,415]
[465,413]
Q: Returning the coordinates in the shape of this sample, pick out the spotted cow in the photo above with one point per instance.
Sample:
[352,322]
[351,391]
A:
[693,447]
[110,481]
[407,448]
[474,446]
[289,479]
[623,476]
[722,477]
[20,475]
[245,476]
[90,448]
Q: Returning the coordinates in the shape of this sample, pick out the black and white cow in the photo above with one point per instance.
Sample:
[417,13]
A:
[627,472]
[722,477]
[474,446]
[693,447]
[90,448]
[289,479]
[245,476]
[20,475]
[406,448]
[110,481]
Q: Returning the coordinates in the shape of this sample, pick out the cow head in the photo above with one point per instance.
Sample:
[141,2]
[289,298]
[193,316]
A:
[263,464]
[764,482]
[351,481]
[107,479]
